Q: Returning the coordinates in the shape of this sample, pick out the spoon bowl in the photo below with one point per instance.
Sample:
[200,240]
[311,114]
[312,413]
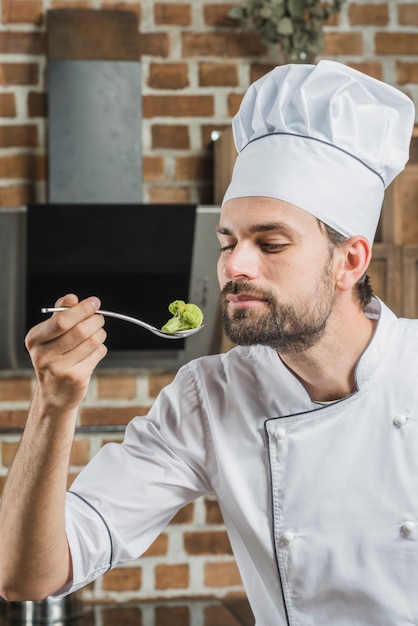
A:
[179,334]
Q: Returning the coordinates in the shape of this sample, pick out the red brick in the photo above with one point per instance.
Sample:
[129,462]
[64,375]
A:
[111,615]
[406,72]
[122,579]
[7,105]
[71,4]
[213,512]
[116,387]
[222,44]
[222,575]
[154,44]
[257,70]
[37,104]
[19,136]
[342,43]
[157,382]
[333,20]
[234,101]
[194,168]
[371,68]
[19,74]
[177,106]
[153,168]
[158,547]
[122,6]
[25,166]
[14,42]
[114,439]
[172,576]
[218,15]
[16,195]
[396,43]
[368,14]
[214,542]
[160,195]
[109,416]
[13,418]
[168,76]
[22,12]
[80,452]
[173,616]
[8,451]
[174,137]
[185,515]
[217,614]
[15,389]
[71,478]
[172,14]
[408,14]
[218,75]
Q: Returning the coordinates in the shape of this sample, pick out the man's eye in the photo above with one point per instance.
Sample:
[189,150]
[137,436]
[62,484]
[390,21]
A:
[227,248]
[274,247]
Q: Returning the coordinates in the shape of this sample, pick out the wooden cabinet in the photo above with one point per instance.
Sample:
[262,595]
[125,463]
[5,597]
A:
[394,268]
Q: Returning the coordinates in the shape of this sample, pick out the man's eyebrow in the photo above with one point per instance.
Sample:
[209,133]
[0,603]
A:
[259,228]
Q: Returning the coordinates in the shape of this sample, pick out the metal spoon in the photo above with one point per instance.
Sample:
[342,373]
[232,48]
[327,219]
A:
[179,334]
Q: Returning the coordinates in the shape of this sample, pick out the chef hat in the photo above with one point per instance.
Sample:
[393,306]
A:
[325,138]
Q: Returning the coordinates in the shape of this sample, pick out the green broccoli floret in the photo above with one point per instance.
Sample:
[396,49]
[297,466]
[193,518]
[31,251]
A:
[185,317]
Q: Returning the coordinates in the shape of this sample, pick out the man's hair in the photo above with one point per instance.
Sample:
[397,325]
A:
[362,289]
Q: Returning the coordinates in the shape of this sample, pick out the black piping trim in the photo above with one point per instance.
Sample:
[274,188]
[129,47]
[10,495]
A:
[103,520]
[326,143]
[272,530]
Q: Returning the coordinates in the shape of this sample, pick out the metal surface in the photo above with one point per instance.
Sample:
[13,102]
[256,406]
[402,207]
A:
[49,611]
[94,131]
[186,612]
[12,285]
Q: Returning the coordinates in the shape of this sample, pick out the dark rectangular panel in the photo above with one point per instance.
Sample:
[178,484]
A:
[92,35]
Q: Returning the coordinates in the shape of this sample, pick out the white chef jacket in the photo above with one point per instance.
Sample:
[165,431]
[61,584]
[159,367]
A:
[320,501]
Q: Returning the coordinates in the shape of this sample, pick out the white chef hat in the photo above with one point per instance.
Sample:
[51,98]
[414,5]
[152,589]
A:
[325,138]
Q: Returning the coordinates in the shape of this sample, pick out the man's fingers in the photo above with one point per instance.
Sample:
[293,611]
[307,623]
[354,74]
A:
[69,300]
[60,324]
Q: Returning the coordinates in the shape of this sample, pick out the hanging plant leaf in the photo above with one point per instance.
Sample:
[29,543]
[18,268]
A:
[285,26]
[297,25]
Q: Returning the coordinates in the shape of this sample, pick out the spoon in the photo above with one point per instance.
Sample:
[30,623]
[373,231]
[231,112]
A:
[178,334]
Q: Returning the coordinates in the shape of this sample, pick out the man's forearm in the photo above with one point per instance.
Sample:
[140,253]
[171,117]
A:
[34,554]
[35,559]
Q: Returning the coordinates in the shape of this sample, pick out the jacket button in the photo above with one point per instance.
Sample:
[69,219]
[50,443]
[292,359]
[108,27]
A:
[288,536]
[408,526]
[280,433]
[400,420]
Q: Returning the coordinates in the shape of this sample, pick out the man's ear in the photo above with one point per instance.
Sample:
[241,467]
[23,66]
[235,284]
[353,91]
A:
[357,254]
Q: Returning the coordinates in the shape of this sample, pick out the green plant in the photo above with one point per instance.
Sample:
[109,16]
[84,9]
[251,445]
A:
[295,24]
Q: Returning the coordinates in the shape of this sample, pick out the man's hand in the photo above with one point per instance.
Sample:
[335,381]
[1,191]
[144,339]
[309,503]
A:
[65,349]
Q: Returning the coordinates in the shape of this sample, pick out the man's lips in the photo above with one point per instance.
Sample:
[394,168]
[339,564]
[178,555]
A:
[242,300]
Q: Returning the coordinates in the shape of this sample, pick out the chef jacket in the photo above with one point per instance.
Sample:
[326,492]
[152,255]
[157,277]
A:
[320,501]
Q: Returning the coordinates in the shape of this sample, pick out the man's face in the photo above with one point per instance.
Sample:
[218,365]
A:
[275,271]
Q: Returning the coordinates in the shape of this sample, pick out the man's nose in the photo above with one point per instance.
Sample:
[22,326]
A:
[241,263]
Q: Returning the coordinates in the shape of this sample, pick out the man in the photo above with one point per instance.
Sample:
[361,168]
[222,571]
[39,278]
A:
[307,431]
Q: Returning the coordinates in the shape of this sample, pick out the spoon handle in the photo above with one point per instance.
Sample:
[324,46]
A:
[120,316]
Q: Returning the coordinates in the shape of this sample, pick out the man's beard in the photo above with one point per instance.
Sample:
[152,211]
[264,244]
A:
[288,328]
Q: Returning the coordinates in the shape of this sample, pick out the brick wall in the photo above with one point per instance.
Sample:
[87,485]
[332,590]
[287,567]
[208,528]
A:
[192,557]
[196,67]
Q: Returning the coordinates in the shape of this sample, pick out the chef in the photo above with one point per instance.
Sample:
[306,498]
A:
[306,431]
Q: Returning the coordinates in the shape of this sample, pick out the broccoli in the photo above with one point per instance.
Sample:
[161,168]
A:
[185,317]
